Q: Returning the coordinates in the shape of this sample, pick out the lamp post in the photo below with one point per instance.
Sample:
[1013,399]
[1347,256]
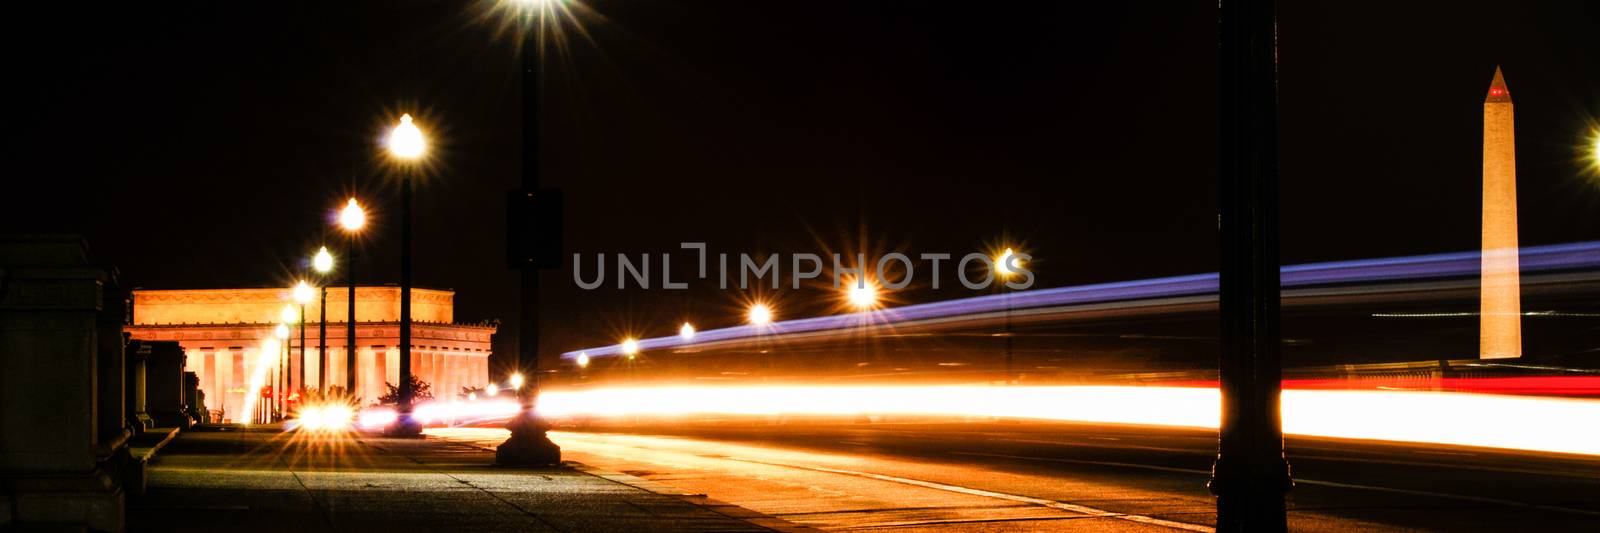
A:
[323,263]
[760,315]
[1004,268]
[407,145]
[352,219]
[1251,475]
[862,296]
[529,444]
[302,295]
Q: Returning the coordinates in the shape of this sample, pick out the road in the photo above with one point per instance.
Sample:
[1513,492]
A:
[1002,476]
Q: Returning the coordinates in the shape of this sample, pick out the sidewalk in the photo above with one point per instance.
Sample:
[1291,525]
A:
[266,480]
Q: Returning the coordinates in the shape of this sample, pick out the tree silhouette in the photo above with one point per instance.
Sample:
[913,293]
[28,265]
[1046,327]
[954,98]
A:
[420,391]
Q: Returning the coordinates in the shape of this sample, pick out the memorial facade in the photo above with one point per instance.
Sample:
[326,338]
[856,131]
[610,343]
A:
[222,333]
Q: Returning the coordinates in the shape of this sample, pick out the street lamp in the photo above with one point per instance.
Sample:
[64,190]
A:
[323,263]
[630,347]
[1007,264]
[1594,150]
[686,332]
[517,381]
[302,295]
[862,294]
[352,219]
[759,314]
[583,359]
[407,145]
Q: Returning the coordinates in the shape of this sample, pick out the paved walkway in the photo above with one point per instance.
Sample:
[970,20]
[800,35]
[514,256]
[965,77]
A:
[261,480]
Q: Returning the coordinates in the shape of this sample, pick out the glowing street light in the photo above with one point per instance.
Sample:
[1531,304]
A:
[1003,263]
[323,262]
[759,314]
[686,332]
[491,390]
[516,380]
[630,347]
[352,218]
[303,293]
[281,332]
[1594,150]
[583,359]
[862,295]
[406,141]
[286,316]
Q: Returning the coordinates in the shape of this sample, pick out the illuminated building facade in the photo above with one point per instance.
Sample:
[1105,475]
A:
[222,332]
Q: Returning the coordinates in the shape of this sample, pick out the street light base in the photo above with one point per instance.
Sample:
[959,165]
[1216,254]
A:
[405,426]
[528,445]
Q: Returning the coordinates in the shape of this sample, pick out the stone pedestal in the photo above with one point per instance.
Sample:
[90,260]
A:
[136,390]
[165,385]
[529,445]
[195,399]
[63,450]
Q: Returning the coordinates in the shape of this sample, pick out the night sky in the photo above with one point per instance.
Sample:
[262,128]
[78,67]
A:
[207,144]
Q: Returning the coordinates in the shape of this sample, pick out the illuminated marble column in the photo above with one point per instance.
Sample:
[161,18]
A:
[458,373]
[1500,294]
[391,367]
[221,382]
[336,368]
[195,361]
[365,376]
[422,366]
[480,368]
[309,360]
[438,366]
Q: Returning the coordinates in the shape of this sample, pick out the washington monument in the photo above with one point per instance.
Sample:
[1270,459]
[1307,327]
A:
[1500,292]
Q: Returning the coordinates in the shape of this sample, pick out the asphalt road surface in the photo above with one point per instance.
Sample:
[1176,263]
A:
[1032,476]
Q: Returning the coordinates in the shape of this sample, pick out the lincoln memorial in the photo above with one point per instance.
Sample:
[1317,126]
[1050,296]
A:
[222,332]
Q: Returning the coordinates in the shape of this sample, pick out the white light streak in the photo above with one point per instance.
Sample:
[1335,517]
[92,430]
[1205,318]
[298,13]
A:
[1515,422]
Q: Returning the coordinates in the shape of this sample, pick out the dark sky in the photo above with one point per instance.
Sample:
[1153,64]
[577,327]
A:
[206,144]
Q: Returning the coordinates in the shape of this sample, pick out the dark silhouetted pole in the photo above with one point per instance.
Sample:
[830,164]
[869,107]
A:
[529,444]
[1007,295]
[405,425]
[301,368]
[350,321]
[322,342]
[1251,476]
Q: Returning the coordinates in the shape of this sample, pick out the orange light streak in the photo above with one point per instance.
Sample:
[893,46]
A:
[1563,425]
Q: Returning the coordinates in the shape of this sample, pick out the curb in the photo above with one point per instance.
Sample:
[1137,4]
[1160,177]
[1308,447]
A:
[160,444]
[717,506]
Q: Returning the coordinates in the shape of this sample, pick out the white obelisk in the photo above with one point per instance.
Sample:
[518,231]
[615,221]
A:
[1500,293]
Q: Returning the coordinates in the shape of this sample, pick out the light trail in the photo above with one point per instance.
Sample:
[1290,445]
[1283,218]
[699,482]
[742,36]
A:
[1533,259]
[266,362]
[1559,425]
